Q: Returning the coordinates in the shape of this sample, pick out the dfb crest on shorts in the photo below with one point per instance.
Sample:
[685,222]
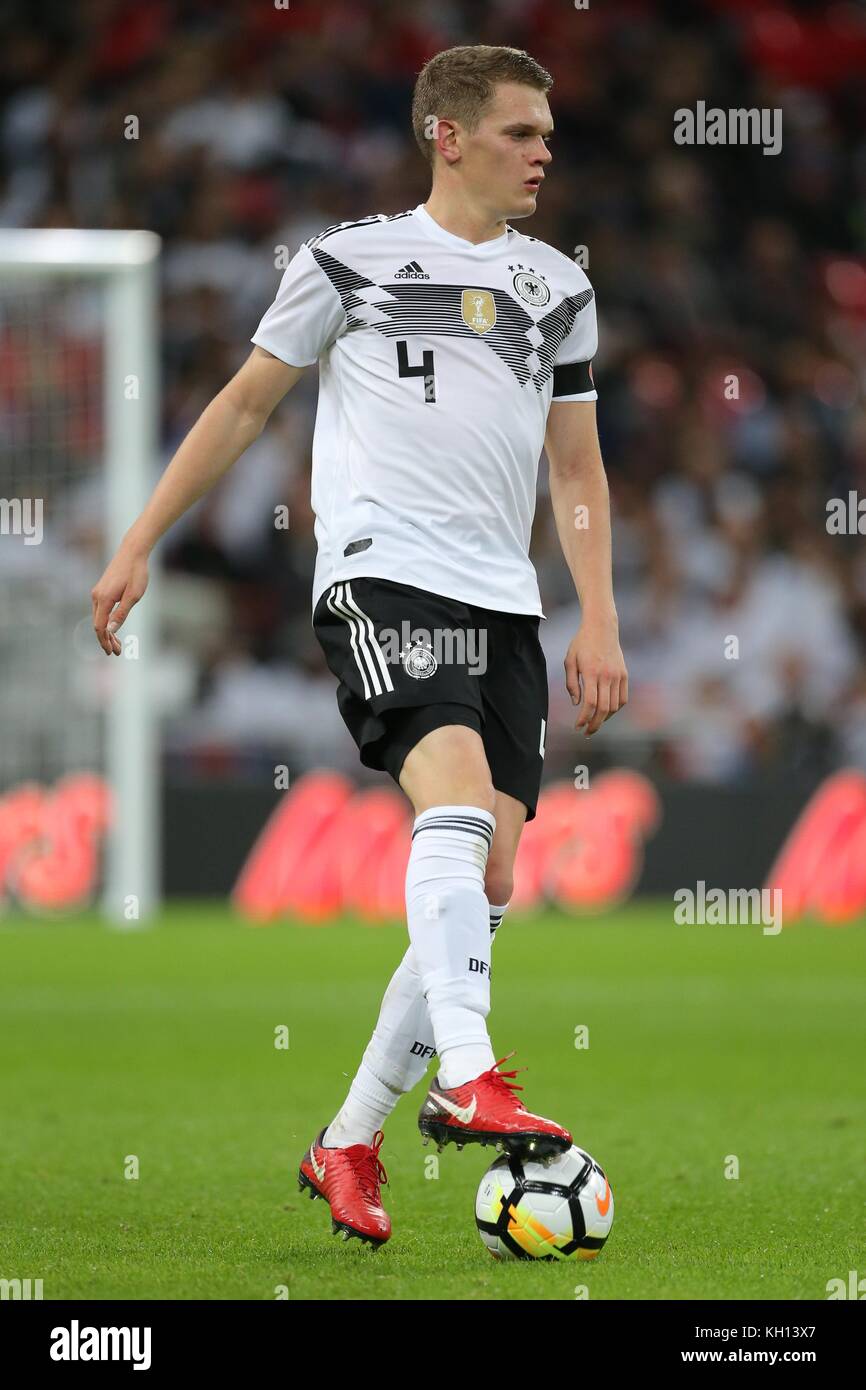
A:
[479,310]
[418,660]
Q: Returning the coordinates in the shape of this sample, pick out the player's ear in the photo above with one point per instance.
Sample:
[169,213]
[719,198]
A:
[447,139]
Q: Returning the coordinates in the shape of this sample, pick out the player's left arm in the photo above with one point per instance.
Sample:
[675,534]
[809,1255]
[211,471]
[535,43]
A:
[581,509]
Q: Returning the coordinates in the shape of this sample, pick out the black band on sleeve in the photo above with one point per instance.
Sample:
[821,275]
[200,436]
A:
[572,379]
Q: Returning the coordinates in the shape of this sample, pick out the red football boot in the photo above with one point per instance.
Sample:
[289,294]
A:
[486,1111]
[349,1180]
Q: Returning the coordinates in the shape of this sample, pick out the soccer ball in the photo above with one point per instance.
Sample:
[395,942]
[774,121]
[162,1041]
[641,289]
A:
[560,1210]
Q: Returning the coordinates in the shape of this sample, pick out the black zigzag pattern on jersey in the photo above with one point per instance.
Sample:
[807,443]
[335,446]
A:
[375,219]
[556,327]
[345,282]
[412,308]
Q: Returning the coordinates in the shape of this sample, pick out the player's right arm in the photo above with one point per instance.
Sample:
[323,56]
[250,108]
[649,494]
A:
[234,418]
[303,322]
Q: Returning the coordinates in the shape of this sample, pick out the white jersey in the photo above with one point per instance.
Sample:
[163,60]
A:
[438,362]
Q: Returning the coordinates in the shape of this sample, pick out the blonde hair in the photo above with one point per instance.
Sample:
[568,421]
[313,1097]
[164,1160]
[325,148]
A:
[460,84]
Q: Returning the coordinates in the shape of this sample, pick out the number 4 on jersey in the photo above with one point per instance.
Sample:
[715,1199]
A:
[426,369]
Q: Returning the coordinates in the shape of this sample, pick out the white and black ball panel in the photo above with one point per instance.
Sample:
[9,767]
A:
[525,1209]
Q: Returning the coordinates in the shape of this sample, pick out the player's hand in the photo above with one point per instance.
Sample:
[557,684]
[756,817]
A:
[594,661]
[123,583]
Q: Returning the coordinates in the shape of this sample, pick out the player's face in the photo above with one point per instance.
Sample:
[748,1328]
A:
[507,154]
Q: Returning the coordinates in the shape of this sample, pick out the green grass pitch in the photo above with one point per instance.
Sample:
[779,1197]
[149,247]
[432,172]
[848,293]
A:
[704,1042]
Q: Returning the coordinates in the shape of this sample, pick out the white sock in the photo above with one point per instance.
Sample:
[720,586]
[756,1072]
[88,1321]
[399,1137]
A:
[395,1059]
[400,1049]
[449,927]
[397,1055]
[496,916]
[367,1106]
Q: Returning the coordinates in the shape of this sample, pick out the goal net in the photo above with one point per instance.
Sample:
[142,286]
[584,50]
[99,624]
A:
[79,754]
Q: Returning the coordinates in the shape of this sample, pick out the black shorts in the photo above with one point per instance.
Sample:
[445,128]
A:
[408,661]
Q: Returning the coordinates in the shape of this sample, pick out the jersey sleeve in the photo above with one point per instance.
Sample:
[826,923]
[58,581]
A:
[306,317]
[572,368]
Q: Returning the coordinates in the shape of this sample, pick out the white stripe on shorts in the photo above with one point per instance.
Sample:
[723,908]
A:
[369,656]
[371,637]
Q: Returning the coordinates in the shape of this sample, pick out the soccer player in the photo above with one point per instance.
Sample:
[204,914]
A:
[451,348]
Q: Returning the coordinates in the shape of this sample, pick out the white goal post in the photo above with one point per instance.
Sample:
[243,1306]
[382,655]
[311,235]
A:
[62,712]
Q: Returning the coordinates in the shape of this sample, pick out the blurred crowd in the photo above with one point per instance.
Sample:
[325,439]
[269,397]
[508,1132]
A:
[731,293]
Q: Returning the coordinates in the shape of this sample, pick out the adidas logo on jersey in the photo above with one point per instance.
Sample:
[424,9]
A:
[412,271]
